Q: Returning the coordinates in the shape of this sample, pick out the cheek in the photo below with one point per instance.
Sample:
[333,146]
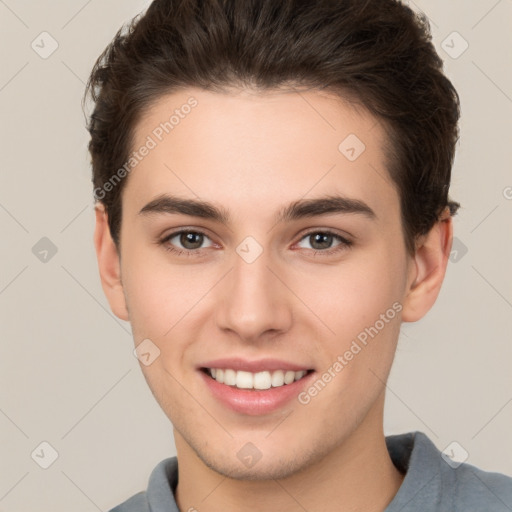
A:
[374,316]
[166,301]
[155,296]
[354,294]
[148,304]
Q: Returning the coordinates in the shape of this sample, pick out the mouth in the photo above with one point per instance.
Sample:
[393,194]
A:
[254,388]
[256,381]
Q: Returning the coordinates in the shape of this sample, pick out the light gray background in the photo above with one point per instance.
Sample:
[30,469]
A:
[68,375]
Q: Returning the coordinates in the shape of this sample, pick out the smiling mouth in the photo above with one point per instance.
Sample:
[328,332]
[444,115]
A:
[257,381]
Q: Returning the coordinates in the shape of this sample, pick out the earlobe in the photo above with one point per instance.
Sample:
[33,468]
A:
[109,264]
[430,262]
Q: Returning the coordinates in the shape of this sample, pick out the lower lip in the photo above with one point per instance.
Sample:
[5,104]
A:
[255,402]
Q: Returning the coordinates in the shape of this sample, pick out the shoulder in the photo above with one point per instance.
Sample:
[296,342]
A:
[160,491]
[479,490]
[137,503]
[434,482]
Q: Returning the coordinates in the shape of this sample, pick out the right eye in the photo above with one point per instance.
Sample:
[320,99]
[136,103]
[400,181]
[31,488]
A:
[190,240]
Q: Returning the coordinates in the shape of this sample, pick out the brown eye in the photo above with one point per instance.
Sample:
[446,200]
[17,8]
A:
[191,240]
[322,242]
[185,242]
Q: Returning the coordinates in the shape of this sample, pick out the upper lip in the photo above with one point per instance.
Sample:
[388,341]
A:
[255,366]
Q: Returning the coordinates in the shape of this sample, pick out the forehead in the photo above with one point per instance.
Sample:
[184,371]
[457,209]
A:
[246,149]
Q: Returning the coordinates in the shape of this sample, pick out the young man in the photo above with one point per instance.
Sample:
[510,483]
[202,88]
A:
[272,184]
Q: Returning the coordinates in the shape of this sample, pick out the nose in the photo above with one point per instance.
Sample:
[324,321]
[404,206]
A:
[254,302]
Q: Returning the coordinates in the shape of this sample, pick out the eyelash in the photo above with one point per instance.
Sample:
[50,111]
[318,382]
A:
[343,245]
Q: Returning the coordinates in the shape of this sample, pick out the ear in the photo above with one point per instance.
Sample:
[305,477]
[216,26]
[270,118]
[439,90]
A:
[109,264]
[428,269]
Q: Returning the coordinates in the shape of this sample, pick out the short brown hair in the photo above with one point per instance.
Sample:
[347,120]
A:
[378,52]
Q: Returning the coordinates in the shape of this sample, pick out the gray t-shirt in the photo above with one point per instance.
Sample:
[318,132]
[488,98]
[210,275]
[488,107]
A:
[431,484]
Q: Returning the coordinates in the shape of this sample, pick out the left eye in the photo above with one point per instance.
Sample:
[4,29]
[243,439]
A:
[322,240]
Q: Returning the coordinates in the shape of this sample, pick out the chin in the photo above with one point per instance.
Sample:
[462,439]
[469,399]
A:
[269,466]
[261,471]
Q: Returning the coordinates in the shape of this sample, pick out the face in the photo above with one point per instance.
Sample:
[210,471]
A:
[303,302]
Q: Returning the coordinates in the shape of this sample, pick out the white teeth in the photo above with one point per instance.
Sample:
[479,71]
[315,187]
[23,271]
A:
[229,377]
[262,380]
[277,378]
[244,380]
[289,377]
[259,380]
[299,375]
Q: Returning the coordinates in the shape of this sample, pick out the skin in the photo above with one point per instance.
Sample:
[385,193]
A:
[254,152]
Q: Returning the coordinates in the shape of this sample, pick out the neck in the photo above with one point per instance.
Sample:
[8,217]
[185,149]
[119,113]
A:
[357,475]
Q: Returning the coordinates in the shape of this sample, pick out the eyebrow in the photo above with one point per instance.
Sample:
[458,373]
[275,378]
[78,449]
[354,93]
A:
[303,208]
